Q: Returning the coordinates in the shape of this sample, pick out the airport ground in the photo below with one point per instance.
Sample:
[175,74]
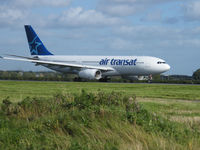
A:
[176,105]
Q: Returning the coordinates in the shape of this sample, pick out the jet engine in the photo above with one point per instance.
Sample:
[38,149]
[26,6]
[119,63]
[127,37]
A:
[90,74]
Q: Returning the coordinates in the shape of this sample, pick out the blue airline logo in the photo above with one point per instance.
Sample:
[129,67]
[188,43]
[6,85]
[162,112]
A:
[34,46]
[118,62]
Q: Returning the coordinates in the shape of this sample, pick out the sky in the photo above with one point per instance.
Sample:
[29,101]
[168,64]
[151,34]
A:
[168,29]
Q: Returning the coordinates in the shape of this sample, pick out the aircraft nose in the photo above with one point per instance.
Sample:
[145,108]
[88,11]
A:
[167,67]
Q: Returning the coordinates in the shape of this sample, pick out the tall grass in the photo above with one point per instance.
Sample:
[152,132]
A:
[89,121]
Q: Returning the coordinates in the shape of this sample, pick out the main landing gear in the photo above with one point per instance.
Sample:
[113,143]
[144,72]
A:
[150,78]
[77,79]
[105,79]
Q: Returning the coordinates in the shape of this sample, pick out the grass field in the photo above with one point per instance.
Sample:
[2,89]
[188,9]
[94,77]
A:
[18,90]
[178,104]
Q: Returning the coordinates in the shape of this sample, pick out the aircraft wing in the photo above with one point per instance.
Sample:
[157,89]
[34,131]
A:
[55,63]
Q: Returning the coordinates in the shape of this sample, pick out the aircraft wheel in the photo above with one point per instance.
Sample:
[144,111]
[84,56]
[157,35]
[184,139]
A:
[77,79]
[105,79]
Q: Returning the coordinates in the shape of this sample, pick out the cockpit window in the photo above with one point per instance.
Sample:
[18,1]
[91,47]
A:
[161,62]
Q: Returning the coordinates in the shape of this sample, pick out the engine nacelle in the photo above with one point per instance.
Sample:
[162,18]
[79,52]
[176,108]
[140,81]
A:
[90,74]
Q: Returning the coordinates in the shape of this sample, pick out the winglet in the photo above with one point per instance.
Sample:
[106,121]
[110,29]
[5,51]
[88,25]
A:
[35,44]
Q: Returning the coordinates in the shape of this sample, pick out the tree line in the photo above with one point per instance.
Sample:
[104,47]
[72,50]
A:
[37,76]
[55,76]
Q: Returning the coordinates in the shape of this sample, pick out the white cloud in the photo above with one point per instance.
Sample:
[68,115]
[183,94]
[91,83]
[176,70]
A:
[141,1]
[78,17]
[33,3]
[56,3]
[128,7]
[18,12]
[157,37]
[13,14]
[153,16]
[192,11]
[119,44]
[124,44]
[120,9]
[10,16]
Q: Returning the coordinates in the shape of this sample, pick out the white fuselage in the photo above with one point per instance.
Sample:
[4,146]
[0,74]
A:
[122,65]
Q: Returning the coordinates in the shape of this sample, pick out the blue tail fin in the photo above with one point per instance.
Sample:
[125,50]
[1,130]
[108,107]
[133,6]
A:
[35,44]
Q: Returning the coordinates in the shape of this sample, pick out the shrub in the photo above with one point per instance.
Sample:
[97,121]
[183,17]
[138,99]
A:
[80,119]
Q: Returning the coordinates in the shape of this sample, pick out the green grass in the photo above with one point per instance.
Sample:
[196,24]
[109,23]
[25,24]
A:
[89,121]
[18,90]
[58,115]
[182,111]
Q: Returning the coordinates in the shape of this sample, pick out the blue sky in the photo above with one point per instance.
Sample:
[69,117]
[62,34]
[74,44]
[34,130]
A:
[168,29]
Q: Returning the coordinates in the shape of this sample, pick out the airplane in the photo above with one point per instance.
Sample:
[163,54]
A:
[90,67]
